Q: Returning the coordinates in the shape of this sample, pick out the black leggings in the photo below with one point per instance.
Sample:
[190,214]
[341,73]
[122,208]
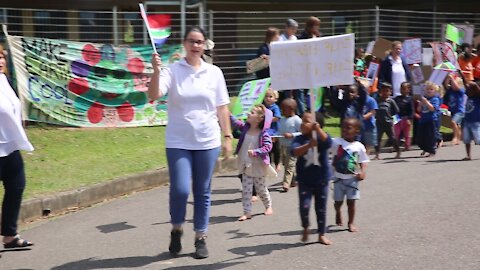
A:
[386,128]
[12,174]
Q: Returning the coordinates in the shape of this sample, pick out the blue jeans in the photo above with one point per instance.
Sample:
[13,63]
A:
[12,174]
[191,168]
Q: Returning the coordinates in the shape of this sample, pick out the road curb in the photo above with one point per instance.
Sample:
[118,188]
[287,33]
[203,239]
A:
[33,209]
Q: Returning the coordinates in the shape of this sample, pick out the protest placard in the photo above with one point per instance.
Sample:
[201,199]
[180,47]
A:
[311,63]
[417,74]
[443,52]
[438,76]
[372,71]
[476,41]
[256,64]
[381,48]
[370,45]
[412,50]
[466,33]
[427,56]
[452,33]
[251,93]
[417,90]
[427,71]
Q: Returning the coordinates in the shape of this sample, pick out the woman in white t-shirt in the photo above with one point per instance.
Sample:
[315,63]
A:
[12,172]
[394,69]
[197,112]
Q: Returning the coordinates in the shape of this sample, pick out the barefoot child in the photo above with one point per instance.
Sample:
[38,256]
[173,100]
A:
[312,179]
[349,163]
[253,150]
[471,124]
[454,98]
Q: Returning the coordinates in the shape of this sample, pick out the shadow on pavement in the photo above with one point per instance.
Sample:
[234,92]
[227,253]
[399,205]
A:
[213,266]
[222,219]
[114,227]
[15,250]
[126,262]
[262,250]
[227,191]
[447,160]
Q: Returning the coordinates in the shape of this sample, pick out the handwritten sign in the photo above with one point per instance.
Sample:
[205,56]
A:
[372,71]
[311,63]
[417,74]
[370,45]
[252,93]
[412,50]
[453,34]
[438,76]
[443,52]
[427,56]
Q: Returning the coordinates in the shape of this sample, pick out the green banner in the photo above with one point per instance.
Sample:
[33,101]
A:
[251,93]
[87,84]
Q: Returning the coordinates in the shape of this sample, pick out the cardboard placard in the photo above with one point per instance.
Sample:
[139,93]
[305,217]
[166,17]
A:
[427,71]
[427,56]
[438,76]
[370,47]
[412,50]
[372,71]
[381,48]
[417,74]
[256,64]
[476,41]
[453,34]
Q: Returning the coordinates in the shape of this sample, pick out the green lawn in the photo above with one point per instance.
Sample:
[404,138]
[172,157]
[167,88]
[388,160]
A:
[66,159]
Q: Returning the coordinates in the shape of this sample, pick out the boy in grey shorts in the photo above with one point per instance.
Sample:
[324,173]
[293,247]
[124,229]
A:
[349,164]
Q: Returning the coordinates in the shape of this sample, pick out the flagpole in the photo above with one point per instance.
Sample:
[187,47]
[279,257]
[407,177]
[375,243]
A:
[314,133]
[144,16]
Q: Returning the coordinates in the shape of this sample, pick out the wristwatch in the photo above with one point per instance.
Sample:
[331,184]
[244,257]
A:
[228,136]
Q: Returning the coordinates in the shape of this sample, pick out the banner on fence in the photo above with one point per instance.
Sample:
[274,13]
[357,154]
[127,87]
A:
[251,93]
[311,63]
[87,84]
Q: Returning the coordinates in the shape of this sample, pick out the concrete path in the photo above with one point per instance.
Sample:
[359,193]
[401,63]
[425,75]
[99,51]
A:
[414,213]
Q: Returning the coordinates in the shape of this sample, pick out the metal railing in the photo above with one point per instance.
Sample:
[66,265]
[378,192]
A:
[237,34]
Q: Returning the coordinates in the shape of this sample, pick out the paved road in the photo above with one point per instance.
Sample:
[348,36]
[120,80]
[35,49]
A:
[415,213]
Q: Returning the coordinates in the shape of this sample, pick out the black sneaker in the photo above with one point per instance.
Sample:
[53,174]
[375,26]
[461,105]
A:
[201,251]
[175,243]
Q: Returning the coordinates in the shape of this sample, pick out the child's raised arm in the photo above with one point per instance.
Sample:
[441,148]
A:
[236,123]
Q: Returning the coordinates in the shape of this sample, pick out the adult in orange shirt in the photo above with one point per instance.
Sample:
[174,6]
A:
[465,62]
[476,64]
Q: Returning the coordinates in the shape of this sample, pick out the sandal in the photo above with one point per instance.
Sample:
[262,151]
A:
[17,242]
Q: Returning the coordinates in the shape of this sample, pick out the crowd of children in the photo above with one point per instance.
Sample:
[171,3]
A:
[277,133]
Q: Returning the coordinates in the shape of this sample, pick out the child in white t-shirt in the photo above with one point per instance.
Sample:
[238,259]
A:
[349,164]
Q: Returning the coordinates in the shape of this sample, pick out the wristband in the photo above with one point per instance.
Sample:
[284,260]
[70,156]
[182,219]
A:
[228,136]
